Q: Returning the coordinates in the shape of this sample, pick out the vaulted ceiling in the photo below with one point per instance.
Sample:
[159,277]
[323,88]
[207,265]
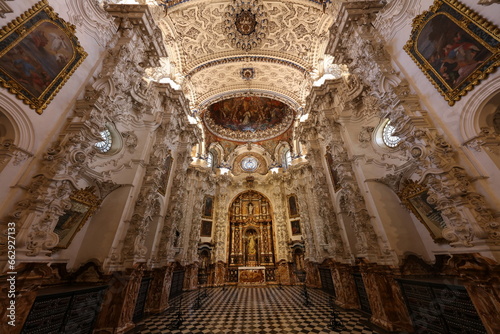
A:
[230,48]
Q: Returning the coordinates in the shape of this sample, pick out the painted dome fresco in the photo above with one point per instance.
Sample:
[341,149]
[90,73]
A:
[249,118]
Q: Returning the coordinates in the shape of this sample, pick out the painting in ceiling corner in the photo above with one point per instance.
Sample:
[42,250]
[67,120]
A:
[249,118]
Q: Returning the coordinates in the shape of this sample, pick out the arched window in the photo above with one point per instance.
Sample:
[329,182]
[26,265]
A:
[105,144]
[287,159]
[210,160]
[387,135]
[111,142]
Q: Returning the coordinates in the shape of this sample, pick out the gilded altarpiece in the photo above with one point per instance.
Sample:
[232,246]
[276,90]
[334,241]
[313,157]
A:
[251,240]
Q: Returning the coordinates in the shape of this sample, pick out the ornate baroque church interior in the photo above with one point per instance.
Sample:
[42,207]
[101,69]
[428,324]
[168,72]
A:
[339,153]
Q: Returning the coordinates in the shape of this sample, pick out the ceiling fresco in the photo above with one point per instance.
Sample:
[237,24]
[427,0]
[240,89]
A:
[248,119]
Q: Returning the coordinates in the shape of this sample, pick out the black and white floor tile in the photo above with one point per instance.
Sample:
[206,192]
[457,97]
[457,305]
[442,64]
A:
[253,310]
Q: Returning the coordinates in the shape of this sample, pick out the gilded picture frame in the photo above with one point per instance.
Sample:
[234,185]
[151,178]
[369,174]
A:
[208,207]
[295,226]
[83,204]
[206,228]
[415,197]
[39,53]
[293,206]
[454,47]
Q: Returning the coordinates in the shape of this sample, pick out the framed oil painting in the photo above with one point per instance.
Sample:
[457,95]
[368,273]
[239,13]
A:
[295,224]
[293,209]
[208,206]
[83,205]
[415,197]
[39,52]
[454,47]
[206,228]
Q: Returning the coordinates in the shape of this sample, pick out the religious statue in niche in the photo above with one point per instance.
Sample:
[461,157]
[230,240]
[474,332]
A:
[177,238]
[251,245]
[251,248]
[298,259]
[204,259]
[250,209]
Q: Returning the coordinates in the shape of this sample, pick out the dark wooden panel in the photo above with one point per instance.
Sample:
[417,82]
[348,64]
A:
[72,311]
[270,274]
[83,311]
[177,283]
[363,296]
[47,315]
[440,308]
[232,275]
[141,300]
[327,285]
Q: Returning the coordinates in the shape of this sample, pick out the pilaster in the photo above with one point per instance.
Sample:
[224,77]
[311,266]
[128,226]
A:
[385,297]
[345,287]
[159,290]
[119,303]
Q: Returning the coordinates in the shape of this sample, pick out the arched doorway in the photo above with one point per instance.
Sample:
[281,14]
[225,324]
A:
[251,239]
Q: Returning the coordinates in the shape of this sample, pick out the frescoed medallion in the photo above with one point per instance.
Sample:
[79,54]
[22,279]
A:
[248,118]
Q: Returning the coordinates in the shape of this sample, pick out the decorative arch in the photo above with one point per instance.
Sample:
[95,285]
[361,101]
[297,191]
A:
[24,132]
[477,108]
[478,130]
[217,152]
[16,134]
[283,154]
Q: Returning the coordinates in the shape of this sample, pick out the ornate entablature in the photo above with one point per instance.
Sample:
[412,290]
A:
[248,119]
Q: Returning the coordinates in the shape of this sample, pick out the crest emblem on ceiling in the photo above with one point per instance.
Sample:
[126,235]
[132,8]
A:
[246,23]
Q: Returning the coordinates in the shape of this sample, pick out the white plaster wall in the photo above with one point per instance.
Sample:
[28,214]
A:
[398,225]
[102,230]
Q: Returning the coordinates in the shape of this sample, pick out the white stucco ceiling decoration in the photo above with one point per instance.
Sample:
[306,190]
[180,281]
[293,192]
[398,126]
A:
[292,48]
[218,79]
[246,23]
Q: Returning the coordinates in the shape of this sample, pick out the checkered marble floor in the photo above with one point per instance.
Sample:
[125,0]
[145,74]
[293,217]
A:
[253,310]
